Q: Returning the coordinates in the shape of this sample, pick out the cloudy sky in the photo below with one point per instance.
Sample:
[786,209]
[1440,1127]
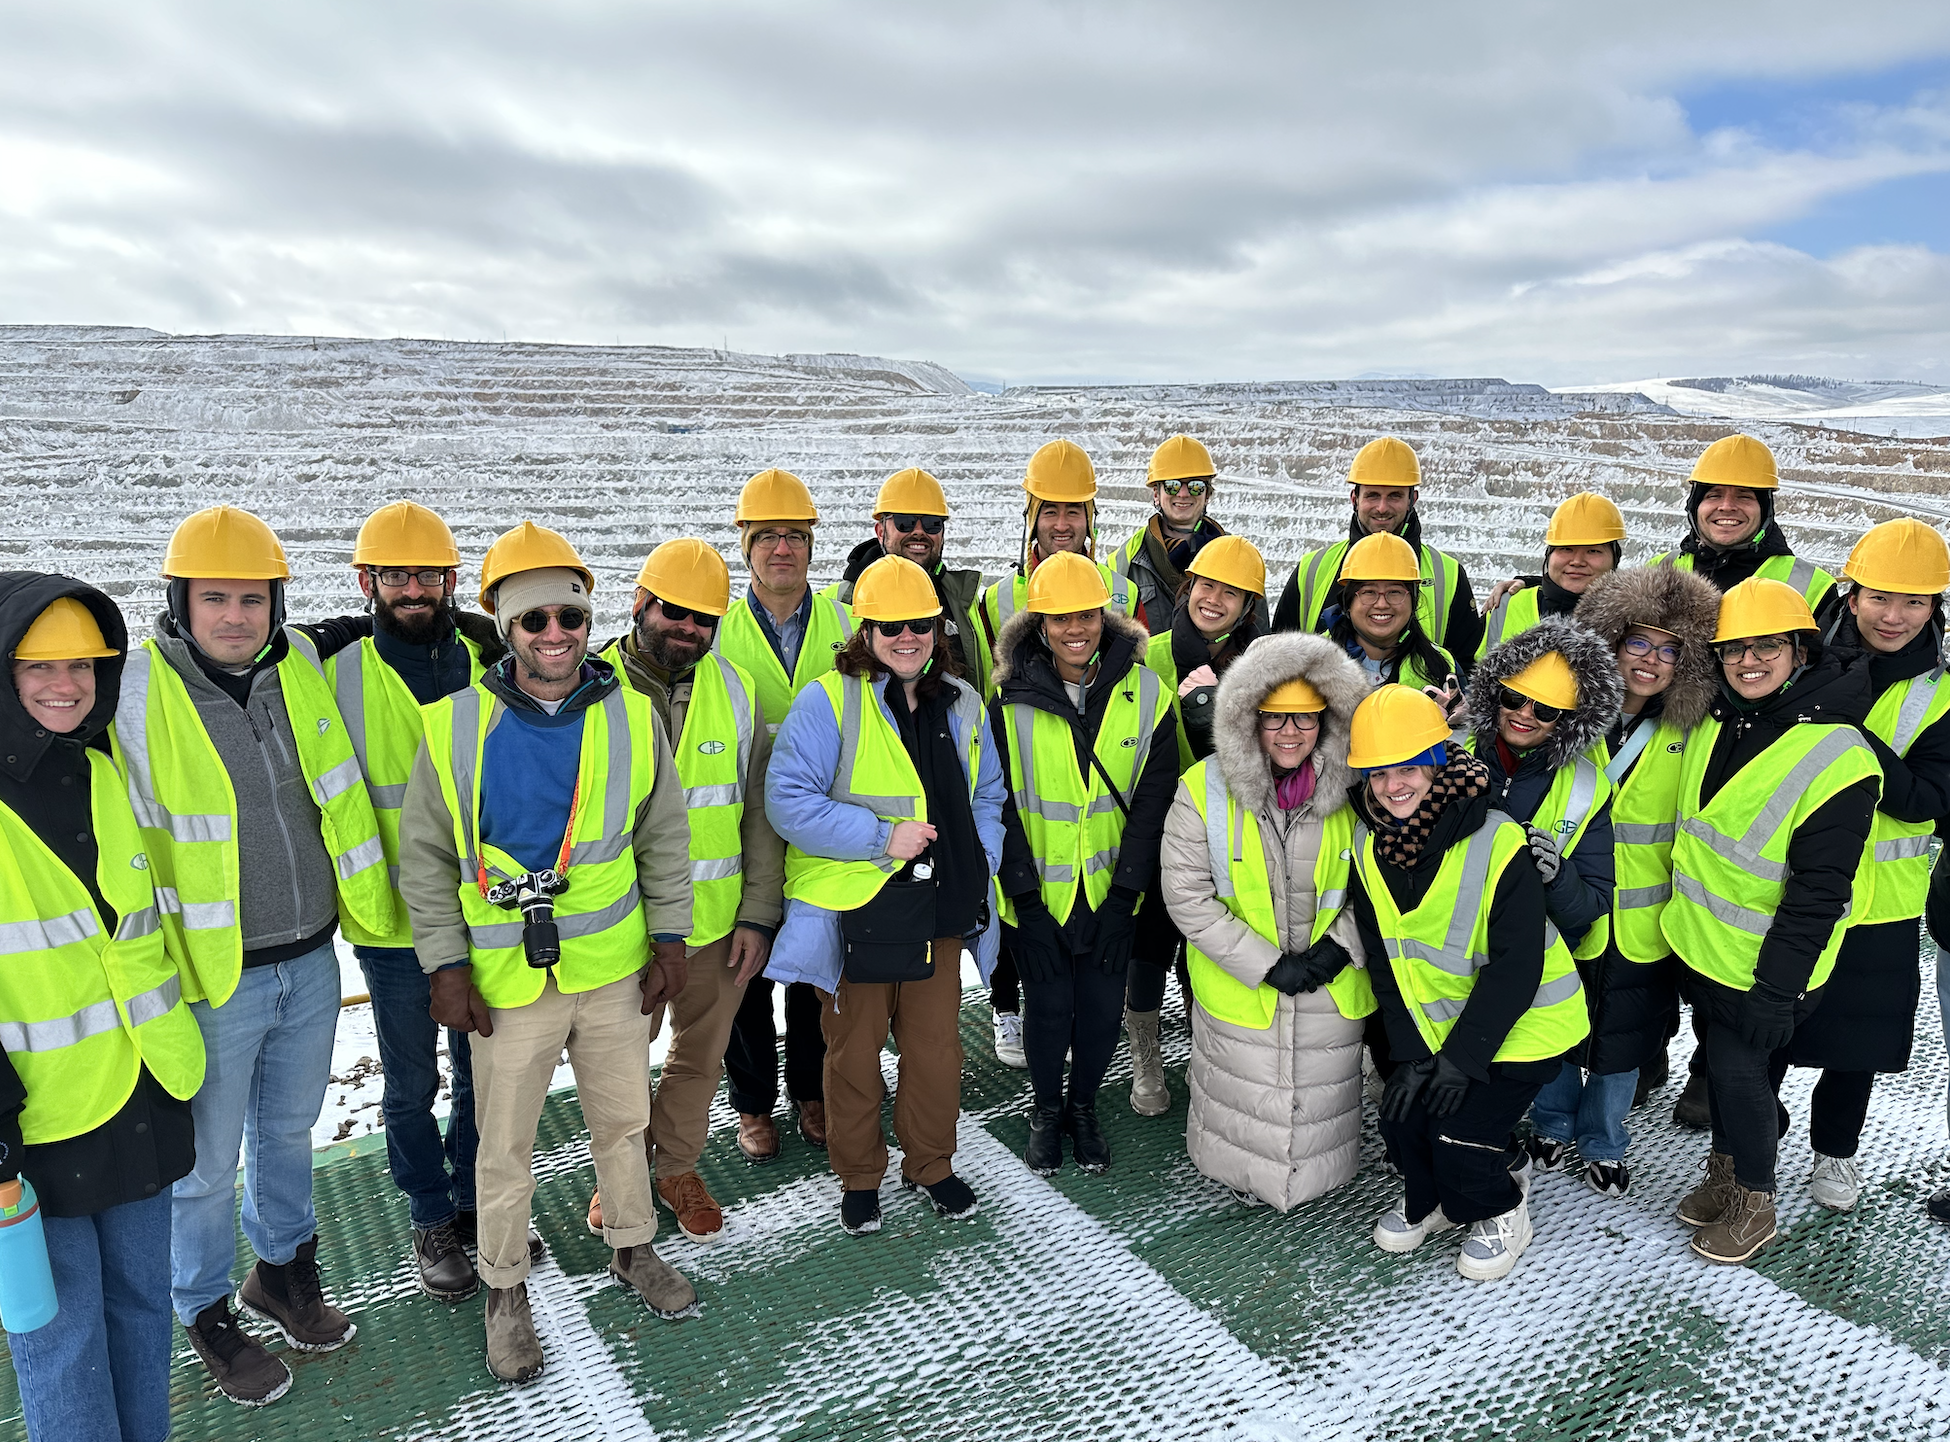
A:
[1555,192]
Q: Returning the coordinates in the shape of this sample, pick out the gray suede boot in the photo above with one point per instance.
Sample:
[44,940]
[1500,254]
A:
[1149,1095]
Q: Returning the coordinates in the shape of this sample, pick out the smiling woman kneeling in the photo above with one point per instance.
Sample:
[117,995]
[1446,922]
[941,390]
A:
[1478,1001]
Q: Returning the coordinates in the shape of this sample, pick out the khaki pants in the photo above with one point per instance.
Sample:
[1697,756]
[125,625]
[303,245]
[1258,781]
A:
[608,1040]
[700,1018]
[925,1017]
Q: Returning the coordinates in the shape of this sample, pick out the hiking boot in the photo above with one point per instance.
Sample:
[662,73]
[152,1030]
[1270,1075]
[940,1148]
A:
[1691,1110]
[238,1363]
[1938,1205]
[445,1274]
[812,1123]
[1652,1076]
[1149,1095]
[758,1137]
[699,1217]
[860,1211]
[1705,1203]
[290,1298]
[1396,1233]
[1608,1179]
[1044,1154]
[663,1288]
[1836,1182]
[1547,1154]
[467,1227]
[1008,1040]
[950,1197]
[514,1352]
[1087,1142]
[1493,1245]
[1742,1229]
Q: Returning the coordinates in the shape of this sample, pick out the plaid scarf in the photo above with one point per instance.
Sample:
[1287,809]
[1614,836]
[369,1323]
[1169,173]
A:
[1400,842]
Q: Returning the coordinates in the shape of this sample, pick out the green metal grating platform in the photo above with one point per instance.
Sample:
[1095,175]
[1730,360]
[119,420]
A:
[1146,1303]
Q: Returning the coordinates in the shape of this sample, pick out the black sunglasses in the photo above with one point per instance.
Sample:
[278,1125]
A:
[1515,701]
[891,629]
[1197,488]
[703,620]
[572,618]
[904,523]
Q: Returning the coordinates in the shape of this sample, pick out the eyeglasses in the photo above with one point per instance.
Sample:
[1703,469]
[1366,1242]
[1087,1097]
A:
[571,618]
[892,629]
[904,523]
[703,620]
[1515,701]
[1393,595]
[398,576]
[1277,721]
[782,540]
[1765,648]
[1195,488]
[1639,646]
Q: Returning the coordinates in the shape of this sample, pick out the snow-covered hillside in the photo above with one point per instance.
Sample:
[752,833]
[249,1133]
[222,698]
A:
[1884,408]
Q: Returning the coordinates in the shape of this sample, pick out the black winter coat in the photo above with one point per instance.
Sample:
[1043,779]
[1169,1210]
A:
[44,780]
[1727,569]
[1581,895]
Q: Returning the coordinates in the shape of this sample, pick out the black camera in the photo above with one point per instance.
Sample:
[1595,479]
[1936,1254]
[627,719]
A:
[533,894]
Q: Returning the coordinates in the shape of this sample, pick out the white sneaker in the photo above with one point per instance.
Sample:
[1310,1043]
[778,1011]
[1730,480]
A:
[1836,1182]
[1396,1233]
[1008,1040]
[1493,1245]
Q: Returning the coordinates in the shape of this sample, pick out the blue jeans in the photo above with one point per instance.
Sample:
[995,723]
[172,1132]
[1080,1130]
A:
[436,1175]
[99,1372]
[268,1054]
[1590,1110]
[1943,1004]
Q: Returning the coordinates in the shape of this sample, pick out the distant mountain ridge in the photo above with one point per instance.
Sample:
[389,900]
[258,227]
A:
[1910,408]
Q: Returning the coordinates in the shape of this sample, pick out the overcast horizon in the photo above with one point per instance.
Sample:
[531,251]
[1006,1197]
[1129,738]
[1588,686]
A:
[1026,194]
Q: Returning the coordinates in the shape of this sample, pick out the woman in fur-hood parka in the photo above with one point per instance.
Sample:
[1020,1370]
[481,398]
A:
[1275,1112]
[1679,602]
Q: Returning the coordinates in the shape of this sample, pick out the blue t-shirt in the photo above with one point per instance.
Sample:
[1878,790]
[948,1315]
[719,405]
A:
[528,781]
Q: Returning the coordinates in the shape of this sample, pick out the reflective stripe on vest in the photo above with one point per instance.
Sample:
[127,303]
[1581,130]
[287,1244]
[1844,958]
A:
[714,757]
[1512,616]
[740,638]
[1810,580]
[1899,881]
[1642,833]
[1577,791]
[1320,571]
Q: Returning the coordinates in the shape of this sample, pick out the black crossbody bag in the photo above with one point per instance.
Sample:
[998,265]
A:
[891,938]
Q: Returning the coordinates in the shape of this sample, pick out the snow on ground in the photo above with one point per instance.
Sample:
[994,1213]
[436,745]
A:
[1883,408]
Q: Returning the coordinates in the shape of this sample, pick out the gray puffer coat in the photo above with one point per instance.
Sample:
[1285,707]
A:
[1276,1112]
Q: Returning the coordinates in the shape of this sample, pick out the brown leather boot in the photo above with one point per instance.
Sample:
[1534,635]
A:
[812,1123]
[1705,1203]
[1743,1229]
[758,1137]
[291,1299]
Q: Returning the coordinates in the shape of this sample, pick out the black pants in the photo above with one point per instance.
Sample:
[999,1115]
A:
[1743,1090]
[1157,951]
[1462,1161]
[1005,985]
[751,1058]
[1837,1111]
[1082,1013]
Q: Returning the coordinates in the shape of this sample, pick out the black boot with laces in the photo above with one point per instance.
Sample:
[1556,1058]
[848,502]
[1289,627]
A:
[243,1370]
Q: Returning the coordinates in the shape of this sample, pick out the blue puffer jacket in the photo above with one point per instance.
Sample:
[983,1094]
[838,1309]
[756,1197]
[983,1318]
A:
[805,760]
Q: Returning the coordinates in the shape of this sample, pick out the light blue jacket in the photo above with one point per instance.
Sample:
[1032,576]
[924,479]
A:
[805,762]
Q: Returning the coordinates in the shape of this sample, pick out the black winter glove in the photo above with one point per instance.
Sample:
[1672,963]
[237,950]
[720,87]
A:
[1041,955]
[1404,1086]
[1288,975]
[1116,930]
[1544,852]
[1447,1088]
[1767,1017]
[1326,959]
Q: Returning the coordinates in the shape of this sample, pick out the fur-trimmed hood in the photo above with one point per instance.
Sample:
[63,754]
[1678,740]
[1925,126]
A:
[1601,690]
[1682,602]
[1021,635]
[1269,662]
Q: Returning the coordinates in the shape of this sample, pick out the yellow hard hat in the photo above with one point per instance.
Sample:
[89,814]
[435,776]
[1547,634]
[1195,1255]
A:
[528,547]
[1295,695]
[1232,561]
[1060,471]
[1547,679]
[1178,459]
[1760,607]
[1586,519]
[1385,462]
[405,534]
[1391,724]
[1066,583]
[65,631]
[776,495]
[1737,461]
[228,543]
[1904,556]
[690,573]
[912,492]
[893,588]
[1381,557]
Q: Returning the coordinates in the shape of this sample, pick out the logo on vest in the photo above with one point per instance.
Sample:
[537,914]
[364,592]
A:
[324,724]
[1130,741]
[711,748]
[1674,748]
[1567,826]
[139,861]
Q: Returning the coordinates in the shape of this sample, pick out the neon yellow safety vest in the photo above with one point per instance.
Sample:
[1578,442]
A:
[975,641]
[81,1012]
[1900,878]
[1810,580]
[187,810]
[1642,826]
[1237,858]
[1435,951]
[1512,616]
[876,774]
[1576,793]
[1409,671]
[1729,857]
[383,720]
[1073,822]
[714,759]
[1441,578]
[741,639]
[1005,597]
[1159,658]
[600,917]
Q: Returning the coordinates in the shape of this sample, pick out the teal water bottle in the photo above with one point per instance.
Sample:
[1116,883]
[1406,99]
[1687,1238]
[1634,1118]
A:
[26,1281]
